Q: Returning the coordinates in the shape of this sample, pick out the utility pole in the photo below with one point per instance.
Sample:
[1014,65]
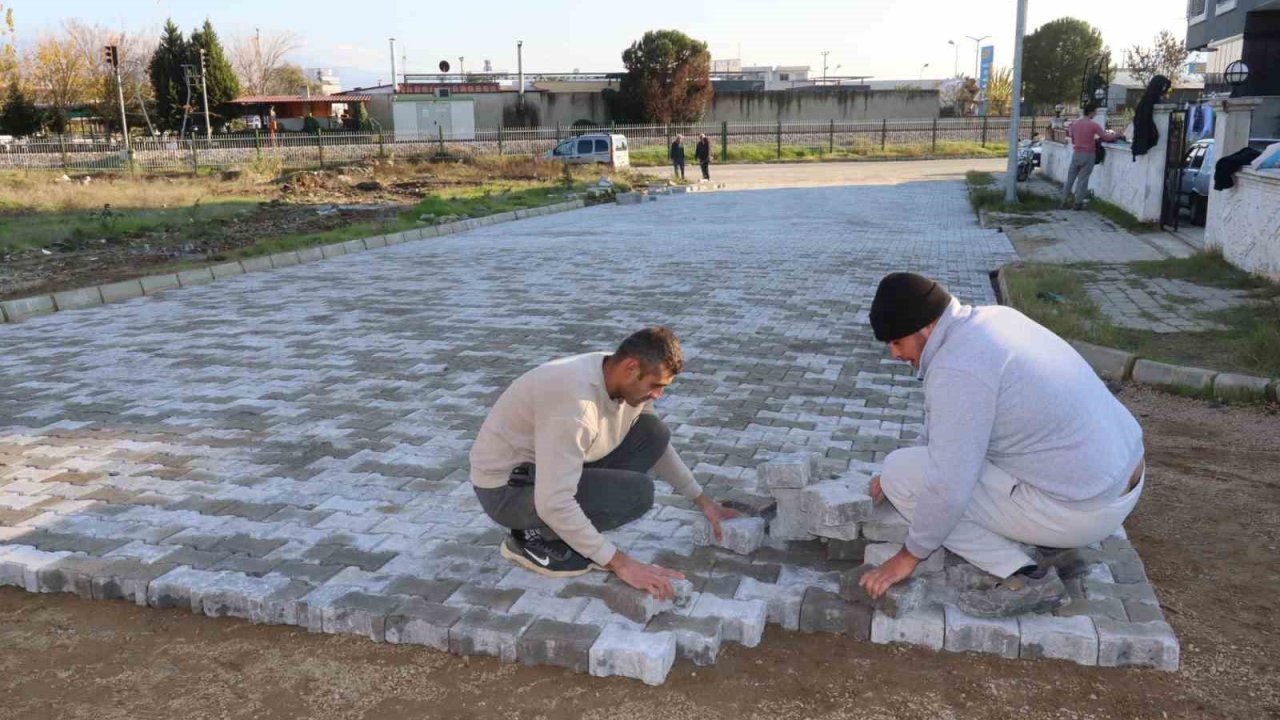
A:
[393,64]
[520,69]
[976,42]
[111,54]
[955,61]
[1011,171]
[825,53]
[204,93]
[462,74]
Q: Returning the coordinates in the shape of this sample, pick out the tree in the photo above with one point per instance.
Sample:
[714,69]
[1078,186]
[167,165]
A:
[1000,92]
[258,59]
[291,79]
[8,48]
[62,77]
[1055,58]
[168,79]
[668,77]
[133,52]
[20,117]
[220,79]
[1166,56]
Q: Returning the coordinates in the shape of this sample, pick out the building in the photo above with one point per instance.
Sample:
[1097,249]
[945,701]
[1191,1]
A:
[782,77]
[291,111]
[1230,30]
[328,80]
[1125,91]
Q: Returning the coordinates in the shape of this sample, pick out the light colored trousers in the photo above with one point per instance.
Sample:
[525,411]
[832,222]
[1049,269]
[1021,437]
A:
[1005,513]
[1078,175]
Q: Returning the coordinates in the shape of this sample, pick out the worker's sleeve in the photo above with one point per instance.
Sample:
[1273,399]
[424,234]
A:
[561,440]
[960,415]
[673,470]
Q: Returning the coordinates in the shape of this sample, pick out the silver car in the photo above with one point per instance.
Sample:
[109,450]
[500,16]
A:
[1197,179]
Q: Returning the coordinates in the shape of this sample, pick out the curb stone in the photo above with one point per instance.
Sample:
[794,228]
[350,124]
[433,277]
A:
[19,309]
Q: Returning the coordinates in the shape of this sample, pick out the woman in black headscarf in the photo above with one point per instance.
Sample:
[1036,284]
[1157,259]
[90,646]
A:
[1145,134]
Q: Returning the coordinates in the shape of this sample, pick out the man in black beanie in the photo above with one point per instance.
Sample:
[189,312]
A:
[1022,445]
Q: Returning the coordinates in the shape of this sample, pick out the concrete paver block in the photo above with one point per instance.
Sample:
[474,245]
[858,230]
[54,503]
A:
[1149,372]
[824,611]
[226,270]
[742,621]
[333,250]
[310,254]
[789,472]
[1150,644]
[257,263]
[742,535]
[198,276]
[415,621]
[28,307]
[153,284]
[697,639]
[560,644]
[900,599]
[924,627]
[995,636]
[285,259]
[886,525]
[1063,638]
[121,291]
[1241,388]
[484,632]
[77,299]
[354,246]
[835,502]
[359,613]
[879,553]
[782,602]
[643,656]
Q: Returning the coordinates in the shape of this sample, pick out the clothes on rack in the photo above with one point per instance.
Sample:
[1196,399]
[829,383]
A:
[1199,122]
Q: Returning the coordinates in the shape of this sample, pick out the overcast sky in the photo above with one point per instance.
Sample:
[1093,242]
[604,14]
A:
[886,40]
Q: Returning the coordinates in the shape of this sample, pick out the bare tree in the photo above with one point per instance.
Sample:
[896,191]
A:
[1166,56]
[258,59]
[60,75]
[134,52]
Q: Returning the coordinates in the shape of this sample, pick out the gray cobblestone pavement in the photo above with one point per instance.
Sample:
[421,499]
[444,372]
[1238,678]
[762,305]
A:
[1161,305]
[290,447]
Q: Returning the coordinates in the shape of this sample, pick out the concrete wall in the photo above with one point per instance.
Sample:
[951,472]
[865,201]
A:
[821,105]
[1245,222]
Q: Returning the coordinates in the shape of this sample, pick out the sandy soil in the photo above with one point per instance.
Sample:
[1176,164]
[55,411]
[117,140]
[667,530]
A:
[1206,529]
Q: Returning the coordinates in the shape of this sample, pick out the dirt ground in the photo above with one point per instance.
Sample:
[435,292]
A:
[1207,530]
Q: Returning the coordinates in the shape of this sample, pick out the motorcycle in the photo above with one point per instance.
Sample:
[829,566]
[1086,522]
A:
[1026,159]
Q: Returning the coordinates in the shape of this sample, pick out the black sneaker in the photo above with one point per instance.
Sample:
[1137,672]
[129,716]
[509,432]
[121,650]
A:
[1019,593]
[530,549]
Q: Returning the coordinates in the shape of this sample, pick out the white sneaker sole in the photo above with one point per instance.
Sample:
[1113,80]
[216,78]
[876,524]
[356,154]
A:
[522,561]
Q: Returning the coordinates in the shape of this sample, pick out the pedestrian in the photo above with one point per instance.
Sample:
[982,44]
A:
[1023,445]
[565,453]
[676,153]
[703,153]
[1084,132]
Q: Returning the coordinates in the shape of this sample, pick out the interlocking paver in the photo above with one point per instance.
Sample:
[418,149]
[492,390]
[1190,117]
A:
[291,445]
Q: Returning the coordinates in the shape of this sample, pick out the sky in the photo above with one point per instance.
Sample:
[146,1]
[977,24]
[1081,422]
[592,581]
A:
[886,40]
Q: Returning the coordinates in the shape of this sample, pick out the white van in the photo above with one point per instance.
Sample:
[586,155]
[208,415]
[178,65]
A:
[592,148]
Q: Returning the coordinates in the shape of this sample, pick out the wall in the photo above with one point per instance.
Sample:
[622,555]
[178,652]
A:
[822,104]
[1251,210]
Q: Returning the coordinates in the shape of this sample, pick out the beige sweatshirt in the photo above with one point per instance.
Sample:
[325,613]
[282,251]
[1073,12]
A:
[559,416]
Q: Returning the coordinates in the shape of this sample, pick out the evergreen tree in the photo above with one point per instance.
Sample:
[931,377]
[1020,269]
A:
[167,78]
[220,80]
[20,117]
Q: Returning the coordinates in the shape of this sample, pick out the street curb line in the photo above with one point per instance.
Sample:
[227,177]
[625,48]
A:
[19,309]
[1123,366]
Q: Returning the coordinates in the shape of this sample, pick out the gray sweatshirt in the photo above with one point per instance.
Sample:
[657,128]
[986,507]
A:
[1001,388]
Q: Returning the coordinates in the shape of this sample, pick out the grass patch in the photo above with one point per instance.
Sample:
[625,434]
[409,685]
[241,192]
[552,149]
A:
[1121,217]
[27,229]
[820,152]
[1054,296]
[1207,267]
[979,178]
[991,199]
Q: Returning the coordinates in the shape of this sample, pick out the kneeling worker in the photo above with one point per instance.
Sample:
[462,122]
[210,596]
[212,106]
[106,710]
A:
[1023,444]
[563,455]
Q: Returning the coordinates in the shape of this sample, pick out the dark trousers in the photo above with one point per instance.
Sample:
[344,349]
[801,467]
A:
[706,169]
[679,168]
[613,491]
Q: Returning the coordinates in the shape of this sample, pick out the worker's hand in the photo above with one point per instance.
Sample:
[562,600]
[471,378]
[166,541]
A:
[896,569]
[874,490]
[652,579]
[715,512]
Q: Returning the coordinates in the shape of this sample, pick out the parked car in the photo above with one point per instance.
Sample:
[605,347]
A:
[592,148]
[1197,179]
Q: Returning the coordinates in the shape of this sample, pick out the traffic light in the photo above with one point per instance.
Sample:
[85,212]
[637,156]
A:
[111,55]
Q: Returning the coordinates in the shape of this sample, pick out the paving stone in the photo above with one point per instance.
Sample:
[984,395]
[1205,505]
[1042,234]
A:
[541,605]
[182,587]
[740,535]
[415,621]
[435,591]
[786,472]
[599,614]
[1150,644]
[470,594]
[923,626]
[742,621]
[559,644]
[782,602]
[485,632]
[1099,609]
[1142,592]
[282,606]
[351,557]
[879,553]
[233,594]
[886,525]
[310,572]
[1141,612]
[834,503]
[697,638]
[247,545]
[826,612]
[750,503]
[900,599]
[1063,638]
[20,565]
[635,605]
[358,613]
[852,550]
[790,522]
[995,636]
[644,656]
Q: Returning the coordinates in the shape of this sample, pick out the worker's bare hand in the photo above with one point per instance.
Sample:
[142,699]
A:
[652,579]
[715,512]
[896,569]
[877,494]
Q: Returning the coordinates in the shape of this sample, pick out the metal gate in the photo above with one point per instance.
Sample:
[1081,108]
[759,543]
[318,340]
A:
[1175,161]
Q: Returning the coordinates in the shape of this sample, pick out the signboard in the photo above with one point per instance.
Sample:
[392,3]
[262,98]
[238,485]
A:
[984,72]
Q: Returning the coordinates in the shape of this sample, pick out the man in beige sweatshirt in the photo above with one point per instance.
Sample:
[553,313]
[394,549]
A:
[564,454]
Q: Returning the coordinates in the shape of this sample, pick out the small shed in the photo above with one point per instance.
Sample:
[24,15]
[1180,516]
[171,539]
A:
[290,111]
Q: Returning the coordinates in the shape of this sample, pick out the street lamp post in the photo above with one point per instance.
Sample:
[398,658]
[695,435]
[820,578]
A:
[922,67]
[824,54]
[955,61]
[1015,114]
[977,41]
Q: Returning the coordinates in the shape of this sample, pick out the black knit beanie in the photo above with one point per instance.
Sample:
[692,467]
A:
[905,303]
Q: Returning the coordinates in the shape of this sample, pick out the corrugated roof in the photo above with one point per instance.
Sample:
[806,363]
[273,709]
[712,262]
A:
[285,99]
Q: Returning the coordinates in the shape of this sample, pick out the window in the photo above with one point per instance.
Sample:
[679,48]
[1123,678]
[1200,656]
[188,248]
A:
[584,147]
[1224,6]
[620,143]
[602,145]
[1196,11]
[564,148]
[1196,158]
[784,76]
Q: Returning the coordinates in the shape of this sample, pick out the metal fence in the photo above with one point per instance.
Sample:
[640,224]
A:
[298,150]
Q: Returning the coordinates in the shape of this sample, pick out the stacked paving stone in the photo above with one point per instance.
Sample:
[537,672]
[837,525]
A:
[305,462]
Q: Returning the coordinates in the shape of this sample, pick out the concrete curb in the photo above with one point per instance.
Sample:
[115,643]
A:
[1121,366]
[17,310]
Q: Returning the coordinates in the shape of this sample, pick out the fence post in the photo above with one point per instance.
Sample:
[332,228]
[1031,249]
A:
[382,149]
[320,146]
[500,141]
[724,141]
[984,131]
[935,136]
[440,135]
[884,132]
[195,158]
[831,138]
[62,149]
[779,139]
[1033,126]
[667,130]
[257,144]
[557,133]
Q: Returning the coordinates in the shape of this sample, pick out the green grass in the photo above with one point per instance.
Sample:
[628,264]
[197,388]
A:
[818,152]
[1121,217]
[1207,267]
[40,228]
[1250,344]
[979,178]
[985,194]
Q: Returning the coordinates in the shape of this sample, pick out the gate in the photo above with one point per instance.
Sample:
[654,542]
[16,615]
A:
[1175,160]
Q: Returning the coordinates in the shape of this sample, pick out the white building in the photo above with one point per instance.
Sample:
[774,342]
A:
[782,77]
[328,79]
